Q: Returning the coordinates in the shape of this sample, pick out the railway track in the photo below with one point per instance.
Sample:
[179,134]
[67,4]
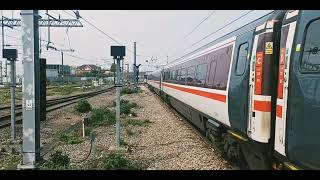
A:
[52,104]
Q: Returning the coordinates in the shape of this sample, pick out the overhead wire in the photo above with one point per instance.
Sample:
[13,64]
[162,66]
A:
[98,29]
[210,34]
[206,18]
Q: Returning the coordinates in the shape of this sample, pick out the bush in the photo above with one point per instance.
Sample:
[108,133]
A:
[83,106]
[57,161]
[127,90]
[70,138]
[123,143]
[102,116]
[126,106]
[118,162]
[60,159]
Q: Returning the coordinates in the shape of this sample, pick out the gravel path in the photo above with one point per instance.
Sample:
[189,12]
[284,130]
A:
[169,143]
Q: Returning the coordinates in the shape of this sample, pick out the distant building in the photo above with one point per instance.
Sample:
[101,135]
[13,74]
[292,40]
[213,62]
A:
[73,70]
[87,68]
[107,72]
[54,70]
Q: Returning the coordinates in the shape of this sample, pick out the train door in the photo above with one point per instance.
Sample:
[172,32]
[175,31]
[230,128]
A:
[238,86]
[298,105]
[260,83]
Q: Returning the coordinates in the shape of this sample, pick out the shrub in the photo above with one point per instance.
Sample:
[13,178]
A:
[118,162]
[126,106]
[102,116]
[70,138]
[83,106]
[60,159]
[57,161]
[128,90]
[123,143]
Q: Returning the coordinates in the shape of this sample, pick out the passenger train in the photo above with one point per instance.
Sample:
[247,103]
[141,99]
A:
[255,92]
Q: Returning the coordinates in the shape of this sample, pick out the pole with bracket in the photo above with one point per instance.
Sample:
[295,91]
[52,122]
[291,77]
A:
[11,55]
[118,52]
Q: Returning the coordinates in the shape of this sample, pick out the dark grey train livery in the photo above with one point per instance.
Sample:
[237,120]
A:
[255,92]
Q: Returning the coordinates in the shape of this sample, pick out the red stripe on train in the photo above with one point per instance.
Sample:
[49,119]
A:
[279,111]
[264,106]
[215,96]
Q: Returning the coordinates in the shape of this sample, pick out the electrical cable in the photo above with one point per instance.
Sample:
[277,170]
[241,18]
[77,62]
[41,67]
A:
[83,160]
[221,28]
[99,30]
[207,17]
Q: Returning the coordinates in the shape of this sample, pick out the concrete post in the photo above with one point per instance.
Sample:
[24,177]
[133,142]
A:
[118,88]
[30,89]
[13,97]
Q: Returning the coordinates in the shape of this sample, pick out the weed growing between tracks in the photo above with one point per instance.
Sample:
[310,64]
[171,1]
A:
[73,137]
[130,90]
[126,107]
[83,106]
[5,96]
[136,122]
[119,162]
[62,90]
[57,161]
[102,116]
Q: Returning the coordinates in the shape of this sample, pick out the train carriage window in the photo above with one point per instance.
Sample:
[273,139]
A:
[172,75]
[190,75]
[183,74]
[178,75]
[212,74]
[311,56]
[201,74]
[242,59]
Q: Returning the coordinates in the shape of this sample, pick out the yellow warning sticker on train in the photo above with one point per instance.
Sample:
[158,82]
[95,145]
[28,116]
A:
[269,48]
[298,47]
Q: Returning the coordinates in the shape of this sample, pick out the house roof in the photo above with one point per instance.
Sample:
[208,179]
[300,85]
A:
[91,66]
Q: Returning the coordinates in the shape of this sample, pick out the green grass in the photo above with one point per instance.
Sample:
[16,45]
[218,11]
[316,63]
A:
[119,162]
[102,116]
[123,143]
[126,106]
[62,90]
[73,137]
[57,161]
[5,96]
[128,90]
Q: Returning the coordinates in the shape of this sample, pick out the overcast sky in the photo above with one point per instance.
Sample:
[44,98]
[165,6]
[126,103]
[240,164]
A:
[157,33]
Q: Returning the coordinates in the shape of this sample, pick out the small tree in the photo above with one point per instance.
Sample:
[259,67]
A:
[83,106]
[113,67]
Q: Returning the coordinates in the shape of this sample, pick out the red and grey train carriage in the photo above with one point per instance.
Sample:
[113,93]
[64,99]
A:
[254,92]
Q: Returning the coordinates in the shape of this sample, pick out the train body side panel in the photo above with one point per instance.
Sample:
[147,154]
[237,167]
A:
[303,106]
[239,83]
[209,101]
